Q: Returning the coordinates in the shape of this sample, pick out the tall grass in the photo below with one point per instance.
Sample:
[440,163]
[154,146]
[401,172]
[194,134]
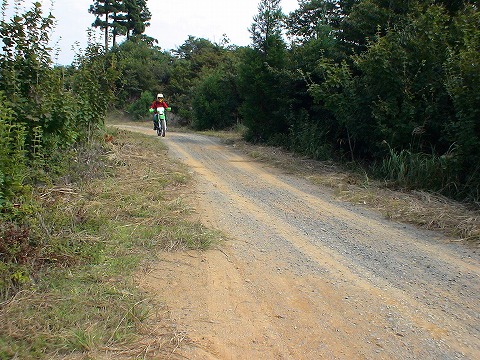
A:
[419,171]
[309,139]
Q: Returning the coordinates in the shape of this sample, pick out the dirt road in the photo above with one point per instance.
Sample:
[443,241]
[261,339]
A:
[303,276]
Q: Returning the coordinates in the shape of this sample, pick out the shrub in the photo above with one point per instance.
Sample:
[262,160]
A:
[139,109]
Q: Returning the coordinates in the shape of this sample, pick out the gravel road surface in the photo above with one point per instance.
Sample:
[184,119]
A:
[304,276]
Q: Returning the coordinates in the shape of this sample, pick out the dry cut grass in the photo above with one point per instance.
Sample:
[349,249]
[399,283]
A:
[456,220]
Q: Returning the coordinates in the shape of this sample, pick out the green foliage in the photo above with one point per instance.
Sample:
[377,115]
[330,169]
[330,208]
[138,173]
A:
[411,84]
[138,109]
[265,103]
[143,67]
[267,25]
[419,171]
[37,100]
[313,20]
[310,138]
[215,101]
[263,79]
[367,19]
[195,58]
[413,98]
[13,170]
[93,83]
[462,83]
[403,81]
[338,94]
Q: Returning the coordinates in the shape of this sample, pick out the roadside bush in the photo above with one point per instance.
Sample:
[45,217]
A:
[462,83]
[402,77]
[310,139]
[215,102]
[93,83]
[45,114]
[13,169]
[139,109]
[414,88]
[39,231]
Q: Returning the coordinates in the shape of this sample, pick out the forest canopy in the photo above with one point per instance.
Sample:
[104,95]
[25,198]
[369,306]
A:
[391,85]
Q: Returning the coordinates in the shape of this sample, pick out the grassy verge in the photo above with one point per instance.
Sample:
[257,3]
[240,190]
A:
[82,301]
[420,208]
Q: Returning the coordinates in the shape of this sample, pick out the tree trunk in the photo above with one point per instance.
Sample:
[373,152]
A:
[106,31]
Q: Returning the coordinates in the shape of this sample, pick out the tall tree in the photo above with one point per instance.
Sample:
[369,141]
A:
[312,19]
[135,18]
[120,17]
[261,78]
[104,10]
[118,23]
[266,28]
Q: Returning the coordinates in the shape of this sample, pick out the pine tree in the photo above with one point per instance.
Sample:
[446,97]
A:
[261,78]
[118,23]
[120,17]
[136,18]
[267,25]
[106,9]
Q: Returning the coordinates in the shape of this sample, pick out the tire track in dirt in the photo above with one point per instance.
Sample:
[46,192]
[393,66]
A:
[305,277]
[333,261]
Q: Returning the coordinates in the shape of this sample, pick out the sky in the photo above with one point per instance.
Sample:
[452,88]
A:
[171,24]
